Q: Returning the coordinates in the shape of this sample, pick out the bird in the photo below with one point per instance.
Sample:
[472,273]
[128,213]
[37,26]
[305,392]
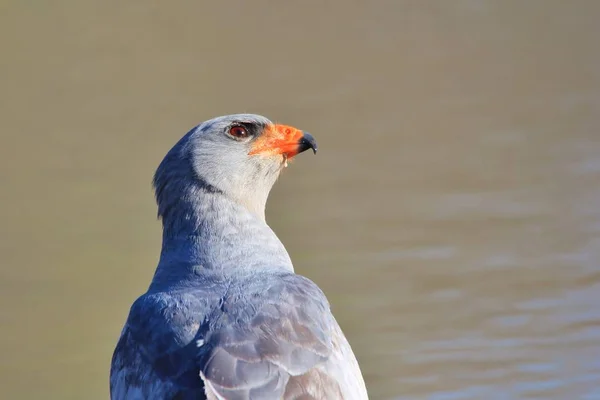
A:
[225,316]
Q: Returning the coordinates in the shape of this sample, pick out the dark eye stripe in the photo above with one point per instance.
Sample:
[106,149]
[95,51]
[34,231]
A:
[254,128]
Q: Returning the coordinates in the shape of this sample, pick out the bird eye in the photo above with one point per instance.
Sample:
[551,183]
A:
[238,131]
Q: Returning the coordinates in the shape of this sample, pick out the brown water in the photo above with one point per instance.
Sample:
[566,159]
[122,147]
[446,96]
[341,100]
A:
[452,214]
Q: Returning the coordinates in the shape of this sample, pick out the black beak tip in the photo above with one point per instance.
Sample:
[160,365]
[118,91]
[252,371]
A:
[308,142]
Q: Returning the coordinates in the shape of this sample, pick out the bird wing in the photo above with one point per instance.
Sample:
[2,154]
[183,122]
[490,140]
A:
[155,357]
[267,337]
[278,340]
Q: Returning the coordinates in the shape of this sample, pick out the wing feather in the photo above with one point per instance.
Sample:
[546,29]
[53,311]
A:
[256,354]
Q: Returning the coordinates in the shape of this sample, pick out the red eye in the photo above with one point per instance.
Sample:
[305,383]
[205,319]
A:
[238,131]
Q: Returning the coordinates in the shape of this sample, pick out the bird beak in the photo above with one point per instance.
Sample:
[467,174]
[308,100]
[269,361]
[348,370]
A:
[284,140]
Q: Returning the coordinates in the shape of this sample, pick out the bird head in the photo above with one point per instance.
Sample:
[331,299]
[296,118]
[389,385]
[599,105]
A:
[240,156]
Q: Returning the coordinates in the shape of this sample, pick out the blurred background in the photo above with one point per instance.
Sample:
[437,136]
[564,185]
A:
[452,214]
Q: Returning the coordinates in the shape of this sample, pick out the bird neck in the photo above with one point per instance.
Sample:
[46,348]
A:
[206,233]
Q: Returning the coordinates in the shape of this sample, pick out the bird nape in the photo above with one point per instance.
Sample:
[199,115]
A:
[225,316]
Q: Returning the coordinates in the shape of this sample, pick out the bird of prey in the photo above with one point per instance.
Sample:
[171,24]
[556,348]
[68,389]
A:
[225,316]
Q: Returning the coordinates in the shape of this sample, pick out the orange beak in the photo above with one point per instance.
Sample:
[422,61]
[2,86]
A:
[282,139]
